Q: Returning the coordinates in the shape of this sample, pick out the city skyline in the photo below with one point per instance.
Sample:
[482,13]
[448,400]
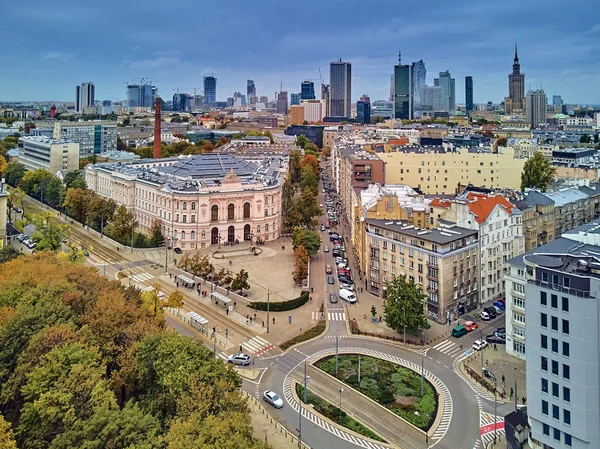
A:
[560,57]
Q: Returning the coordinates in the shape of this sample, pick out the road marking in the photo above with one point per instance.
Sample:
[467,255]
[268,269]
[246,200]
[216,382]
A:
[142,277]
[257,345]
[336,316]
[486,429]
[222,355]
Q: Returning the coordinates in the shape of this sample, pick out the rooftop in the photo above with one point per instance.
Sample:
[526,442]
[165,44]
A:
[558,246]
[482,205]
[44,139]
[407,196]
[586,266]
[442,235]
[566,196]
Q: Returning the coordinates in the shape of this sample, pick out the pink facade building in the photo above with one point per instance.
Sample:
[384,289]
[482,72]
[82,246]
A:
[198,200]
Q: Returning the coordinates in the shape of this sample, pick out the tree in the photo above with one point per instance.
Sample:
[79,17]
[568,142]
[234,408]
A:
[156,235]
[54,192]
[585,138]
[308,208]
[240,282]
[537,173]
[123,223]
[121,146]
[311,160]
[49,234]
[287,197]
[404,306]
[7,254]
[16,199]
[33,182]
[326,152]
[74,179]
[3,164]
[77,202]
[307,238]
[302,141]
[309,179]
[311,148]
[7,440]
[175,300]
[301,270]
[596,138]
[14,173]
[295,158]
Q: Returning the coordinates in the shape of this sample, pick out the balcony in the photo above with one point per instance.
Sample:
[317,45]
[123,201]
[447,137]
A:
[432,290]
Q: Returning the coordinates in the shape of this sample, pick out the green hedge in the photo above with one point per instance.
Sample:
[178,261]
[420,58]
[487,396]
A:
[332,412]
[311,333]
[282,306]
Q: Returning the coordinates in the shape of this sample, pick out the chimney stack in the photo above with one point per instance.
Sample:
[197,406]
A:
[157,152]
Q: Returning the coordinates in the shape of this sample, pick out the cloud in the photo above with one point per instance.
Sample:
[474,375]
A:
[156,63]
[58,56]
[595,29]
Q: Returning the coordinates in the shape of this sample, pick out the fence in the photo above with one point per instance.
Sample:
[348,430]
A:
[278,427]
[207,333]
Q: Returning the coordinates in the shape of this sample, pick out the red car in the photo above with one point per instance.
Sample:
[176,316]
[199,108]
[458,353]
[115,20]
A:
[470,326]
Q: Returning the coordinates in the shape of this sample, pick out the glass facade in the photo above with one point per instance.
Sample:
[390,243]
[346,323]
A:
[403,92]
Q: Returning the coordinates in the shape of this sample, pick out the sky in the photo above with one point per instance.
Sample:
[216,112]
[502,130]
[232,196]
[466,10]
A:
[50,47]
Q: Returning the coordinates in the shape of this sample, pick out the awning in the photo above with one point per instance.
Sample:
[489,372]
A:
[186,279]
[199,319]
[221,297]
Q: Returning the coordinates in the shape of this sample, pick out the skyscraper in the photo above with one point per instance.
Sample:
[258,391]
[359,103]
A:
[469,94]
[307,90]
[282,102]
[536,107]
[251,92]
[419,80]
[84,96]
[325,96]
[182,102]
[140,95]
[294,99]
[516,88]
[340,91]
[210,90]
[432,98]
[403,90]
[363,111]
[447,83]
[557,100]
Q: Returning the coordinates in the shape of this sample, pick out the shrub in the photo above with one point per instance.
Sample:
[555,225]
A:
[313,332]
[281,306]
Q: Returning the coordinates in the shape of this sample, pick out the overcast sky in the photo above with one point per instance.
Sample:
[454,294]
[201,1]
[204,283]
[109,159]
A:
[51,46]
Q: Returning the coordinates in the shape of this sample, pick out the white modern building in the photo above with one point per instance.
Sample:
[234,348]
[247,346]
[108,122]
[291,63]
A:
[49,154]
[84,96]
[199,200]
[94,137]
[314,110]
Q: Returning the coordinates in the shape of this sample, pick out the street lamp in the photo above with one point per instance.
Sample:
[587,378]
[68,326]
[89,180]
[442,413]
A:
[404,310]
[341,390]
[495,405]
[481,335]
[302,404]
[268,307]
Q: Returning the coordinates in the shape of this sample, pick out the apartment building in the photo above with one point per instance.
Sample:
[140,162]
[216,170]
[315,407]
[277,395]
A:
[92,137]
[49,154]
[443,262]
[574,206]
[436,171]
[563,349]
[538,219]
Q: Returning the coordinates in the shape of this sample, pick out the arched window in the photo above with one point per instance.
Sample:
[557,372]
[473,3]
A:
[247,233]
[182,235]
[214,213]
[193,235]
[193,206]
[214,236]
[184,205]
[258,229]
[267,227]
[176,204]
[203,235]
[231,211]
[231,234]
[246,210]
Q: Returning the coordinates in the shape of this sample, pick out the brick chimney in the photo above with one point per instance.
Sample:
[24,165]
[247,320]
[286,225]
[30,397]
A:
[156,152]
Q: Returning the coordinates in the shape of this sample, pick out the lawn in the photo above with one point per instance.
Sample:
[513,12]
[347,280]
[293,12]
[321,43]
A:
[393,386]
[332,412]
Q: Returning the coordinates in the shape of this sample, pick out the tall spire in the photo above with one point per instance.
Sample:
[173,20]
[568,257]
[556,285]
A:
[399,57]
[516,54]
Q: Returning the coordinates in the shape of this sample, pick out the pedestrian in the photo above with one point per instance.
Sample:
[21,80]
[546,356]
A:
[511,393]
[523,399]
[380,318]
[503,379]
[263,323]
[170,275]
[234,304]
[273,320]
[250,320]
[495,347]
[255,317]
[241,348]
[486,363]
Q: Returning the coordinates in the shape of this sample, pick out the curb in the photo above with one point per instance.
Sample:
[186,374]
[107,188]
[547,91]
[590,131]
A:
[306,341]
[468,378]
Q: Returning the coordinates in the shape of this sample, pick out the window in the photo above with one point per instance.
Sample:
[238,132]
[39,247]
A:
[568,440]
[565,303]
[193,206]
[555,345]
[555,412]
[193,217]
[184,218]
[231,211]
[246,210]
[544,363]
[184,206]
[546,429]
[566,372]
[267,227]
[565,327]
[567,416]
[193,234]
[554,301]
[544,385]
[555,389]
[555,323]
[555,367]
[214,213]
[566,394]
[557,434]
[566,349]
[543,298]
[182,235]
[544,320]
[544,407]
[544,341]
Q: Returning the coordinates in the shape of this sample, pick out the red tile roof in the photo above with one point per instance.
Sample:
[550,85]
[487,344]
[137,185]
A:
[436,202]
[482,205]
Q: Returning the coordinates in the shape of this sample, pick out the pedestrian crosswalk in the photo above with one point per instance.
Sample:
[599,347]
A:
[222,355]
[487,428]
[336,316]
[256,346]
[142,277]
[316,316]
[450,348]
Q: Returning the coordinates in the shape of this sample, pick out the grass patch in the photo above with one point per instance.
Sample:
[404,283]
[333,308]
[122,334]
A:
[393,386]
[332,412]
[281,306]
[313,332]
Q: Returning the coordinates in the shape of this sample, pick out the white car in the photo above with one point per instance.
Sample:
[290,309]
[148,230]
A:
[347,286]
[326,249]
[239,359]
[272,398]
[479,345]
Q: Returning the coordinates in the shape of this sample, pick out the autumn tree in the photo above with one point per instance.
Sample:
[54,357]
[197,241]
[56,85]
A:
[309,179]
[308,208]
[49,233]
[16,197]
[100,210]
[240,281]
[3,165]
[122,225]
[295,158]
[301,270]
[311,160]
[174,300]
[7,439]
[76,203]
[307,238]
[537,173]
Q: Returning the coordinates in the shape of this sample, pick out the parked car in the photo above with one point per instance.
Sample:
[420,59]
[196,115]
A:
[345,280]
[499,305]
[491,312]
[501,334]
[333,298]
[347,286]
[272,398]
[239,359]
[484,315]
[479,345]
[177,250]
[330,280]
[333,237]
[470,326]
[494,339]
[497,309]
[347,295]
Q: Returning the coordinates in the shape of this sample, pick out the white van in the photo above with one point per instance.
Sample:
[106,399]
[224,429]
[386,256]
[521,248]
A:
[347,295]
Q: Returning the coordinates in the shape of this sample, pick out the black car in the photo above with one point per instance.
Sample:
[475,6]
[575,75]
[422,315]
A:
[345,280]
[491,311]
[493,339]
[330,280]
[177,250]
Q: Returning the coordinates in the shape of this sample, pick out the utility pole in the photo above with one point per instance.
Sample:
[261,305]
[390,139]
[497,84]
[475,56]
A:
[268,306]
[301,409]
[337,349]
[358,369]
[422,377]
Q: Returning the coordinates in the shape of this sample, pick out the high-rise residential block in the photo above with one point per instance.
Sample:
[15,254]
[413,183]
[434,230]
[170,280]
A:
[84,96]
[307,90]
[340,91]
[447,83]
[210,90]
[314,110]
[469,94]
[251,92]
[403,90]
[294,99]
[49,154]
[419,80]
[282,102]
[92,137]
[516,88]
[536,107]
